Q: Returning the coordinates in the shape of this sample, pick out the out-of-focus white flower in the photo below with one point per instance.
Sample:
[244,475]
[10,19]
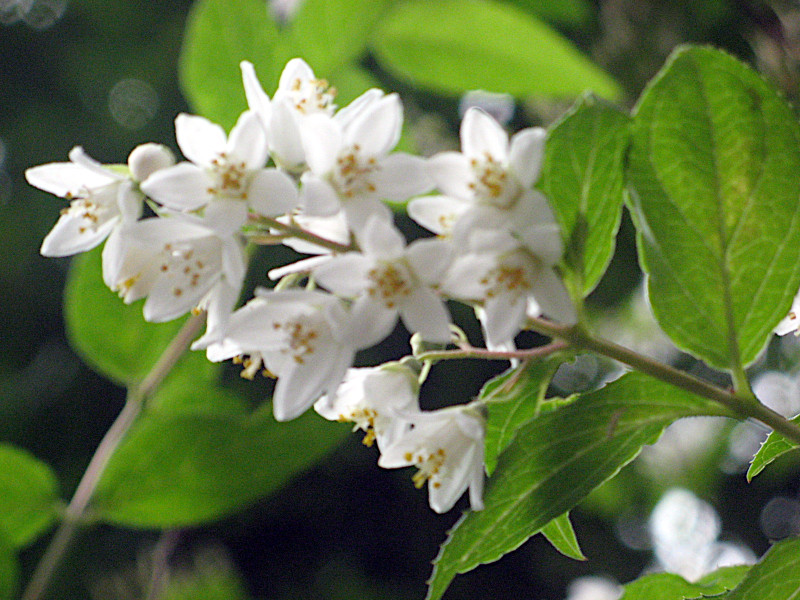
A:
[491,177]
[593,588]
[305,338]
[446,446]
[228,170]
[504,275]
[389,279]
[370,398]
[100,200]
[350,165]
[175,261]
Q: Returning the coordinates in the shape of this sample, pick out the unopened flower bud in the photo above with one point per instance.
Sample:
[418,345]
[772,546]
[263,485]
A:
[146,159]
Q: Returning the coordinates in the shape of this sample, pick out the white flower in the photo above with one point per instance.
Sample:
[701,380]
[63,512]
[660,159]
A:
[299,94]
[491,178]
[370,398]
[175,261]
[350,165]
[790,323]
[508,278]
[100,200]
[447,447]
[305,338]
[390,279]
[224,169]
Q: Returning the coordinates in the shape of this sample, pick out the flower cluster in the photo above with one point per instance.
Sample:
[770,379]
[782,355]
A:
[299,170]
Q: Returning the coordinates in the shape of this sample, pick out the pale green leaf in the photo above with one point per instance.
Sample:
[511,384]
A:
[113,338]
[219,35]
[668,586]
[583,177]
[178,470]
[555,461]
[775,577]
[512,399]
[29,501]
[715,174]
[774,446]
[560,533]
[482,44]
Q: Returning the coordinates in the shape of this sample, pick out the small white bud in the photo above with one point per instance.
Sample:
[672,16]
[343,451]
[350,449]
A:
[148,158]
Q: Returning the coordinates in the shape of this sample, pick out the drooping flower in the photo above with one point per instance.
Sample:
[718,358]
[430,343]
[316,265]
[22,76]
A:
[370,398]
[489,182]
[227,170]
[446,446]
[388,279]
[305,338]
[350,165]
[100,198]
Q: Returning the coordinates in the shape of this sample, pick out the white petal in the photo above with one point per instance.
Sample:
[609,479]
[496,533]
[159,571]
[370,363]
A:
[376,130]
[401,176]
[247,142]
[424,312]
[452,174]
[67,179]
[346,115]
[272,193]
[371,323]
[553,298]
[317,197]
[182,187]
[225,216]
[463,278]
[234,263]
[381,239]
[322,141]
[526,154]
[429,259]
[163,304]
[481,134]
[257,98]
[305,265]
[295,69]
[219,303]
[504,316]
[285,139]
[344,275]
[200,140]
[71,234]
[436,213]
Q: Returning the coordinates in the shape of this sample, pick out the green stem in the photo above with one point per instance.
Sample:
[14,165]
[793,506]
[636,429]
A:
[467,351]
[75,511]
[302,234]
[741,403]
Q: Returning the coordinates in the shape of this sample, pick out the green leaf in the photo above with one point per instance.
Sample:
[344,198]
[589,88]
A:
[29,501]
[560,533]
[668,586]
[178,470]
[512,399]
[564,12]
[774,446]
[715,174]
[114,339]
[583,175]
[219,35]
[9,571]
[775,577]
[555,461]
[329,34]
[480,44]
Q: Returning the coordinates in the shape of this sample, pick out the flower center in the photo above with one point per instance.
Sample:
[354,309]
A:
[352,171]
[252,365]
[429,466]
[302,335]
[94,208]
[188,266]
[391,283]
[310,96]
[229,178]
[492,184]
[364,419]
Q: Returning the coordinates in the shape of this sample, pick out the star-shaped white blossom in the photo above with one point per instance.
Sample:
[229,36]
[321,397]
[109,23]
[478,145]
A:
[388,279]
[447,447]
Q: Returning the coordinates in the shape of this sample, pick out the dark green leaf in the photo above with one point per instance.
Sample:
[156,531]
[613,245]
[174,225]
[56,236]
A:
[219,35]
[114,339]
[512,399]
[329,34]
[555,461]
[9,571]
[560,533]
[774,446]
[177,470]
[668,586]
[775,577]
[481,44]
[715,174]
[583,176]
[29,500]
[566,12]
